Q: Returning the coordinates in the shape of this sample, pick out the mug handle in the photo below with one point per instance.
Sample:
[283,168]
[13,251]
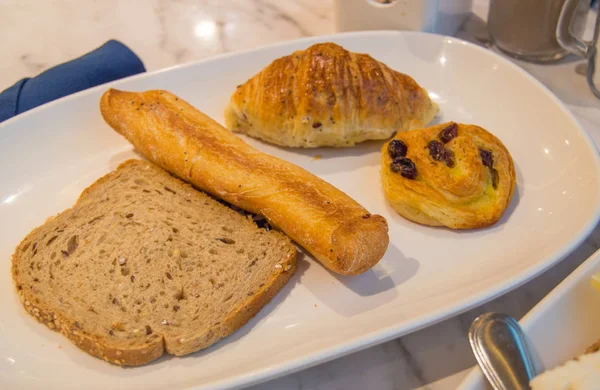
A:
[564,36]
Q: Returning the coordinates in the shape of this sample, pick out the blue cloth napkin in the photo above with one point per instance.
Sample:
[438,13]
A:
[109,62]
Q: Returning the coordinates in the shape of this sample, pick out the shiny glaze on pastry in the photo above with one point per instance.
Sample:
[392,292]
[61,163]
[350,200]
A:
[453,175]
[327,96]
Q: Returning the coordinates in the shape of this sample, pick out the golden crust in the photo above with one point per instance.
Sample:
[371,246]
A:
[327,96]
[461,197]
[335,229]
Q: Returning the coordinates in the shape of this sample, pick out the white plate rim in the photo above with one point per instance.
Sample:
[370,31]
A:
[574,278]
[416,323]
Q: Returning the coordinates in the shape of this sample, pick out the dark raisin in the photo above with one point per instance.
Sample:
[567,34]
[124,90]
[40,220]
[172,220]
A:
[449,158]
[436,150]
[486,158]
[405,166]
[449,133]
[495,178]
[148,330]
[397,148]
[316,125]
[439,153]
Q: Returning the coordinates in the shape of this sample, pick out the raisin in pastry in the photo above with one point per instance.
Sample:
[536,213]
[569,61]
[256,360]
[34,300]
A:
[453,175]
[327,96]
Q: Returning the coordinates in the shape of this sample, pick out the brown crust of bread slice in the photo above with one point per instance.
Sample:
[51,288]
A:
[153,345]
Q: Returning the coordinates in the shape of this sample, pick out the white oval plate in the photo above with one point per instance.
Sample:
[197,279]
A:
[49,155]
[562,326]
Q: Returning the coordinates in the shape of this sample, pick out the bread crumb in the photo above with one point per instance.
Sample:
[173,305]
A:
[318,157]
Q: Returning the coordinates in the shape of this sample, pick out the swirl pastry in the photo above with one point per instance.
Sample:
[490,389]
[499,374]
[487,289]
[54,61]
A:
[327,96]
[453,175]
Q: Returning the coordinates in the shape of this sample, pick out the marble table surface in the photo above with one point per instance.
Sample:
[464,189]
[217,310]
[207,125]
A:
[164,33]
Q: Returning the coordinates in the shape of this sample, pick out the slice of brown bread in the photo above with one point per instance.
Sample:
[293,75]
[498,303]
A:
[144,264]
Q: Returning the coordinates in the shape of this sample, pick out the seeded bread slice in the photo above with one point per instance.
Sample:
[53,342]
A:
[144,264]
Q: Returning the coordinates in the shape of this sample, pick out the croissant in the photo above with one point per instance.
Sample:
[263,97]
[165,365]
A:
[453,175]
[327,96]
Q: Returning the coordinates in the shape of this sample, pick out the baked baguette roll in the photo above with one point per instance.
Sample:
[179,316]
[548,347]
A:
[453,175]
[335,229]
[327,96]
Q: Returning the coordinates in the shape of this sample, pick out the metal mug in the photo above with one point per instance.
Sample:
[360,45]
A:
[574,44]
[526,29]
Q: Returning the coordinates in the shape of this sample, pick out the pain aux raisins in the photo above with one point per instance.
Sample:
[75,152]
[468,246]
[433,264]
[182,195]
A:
[487,159]
[439,153]
[405,166]
[397,148]
[449,133]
